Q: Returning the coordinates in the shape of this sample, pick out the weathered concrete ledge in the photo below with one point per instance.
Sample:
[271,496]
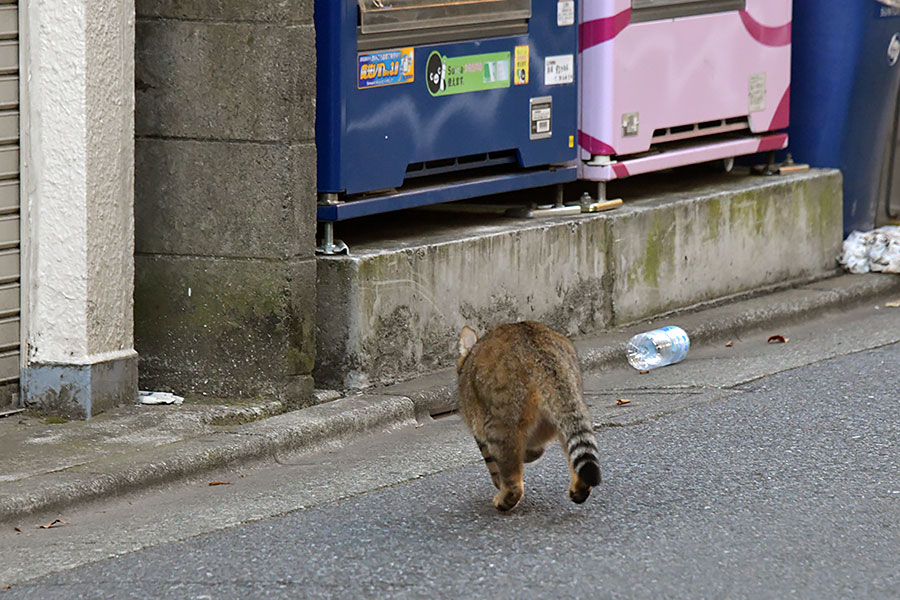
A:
[392,309]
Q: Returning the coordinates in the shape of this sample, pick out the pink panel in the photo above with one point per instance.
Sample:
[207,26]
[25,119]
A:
[590,10]
[767,36]
[773,142]
[597,31]
[781,119]
[593,145]
[686,156]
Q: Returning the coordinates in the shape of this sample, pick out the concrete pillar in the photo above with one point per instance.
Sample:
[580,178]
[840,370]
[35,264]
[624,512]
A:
[225,198]
[77,131]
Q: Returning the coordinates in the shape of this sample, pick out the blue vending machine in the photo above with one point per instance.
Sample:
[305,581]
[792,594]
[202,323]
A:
[428,101]
[844,99]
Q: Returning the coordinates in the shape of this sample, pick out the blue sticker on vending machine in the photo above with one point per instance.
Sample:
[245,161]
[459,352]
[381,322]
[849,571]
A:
[385,67]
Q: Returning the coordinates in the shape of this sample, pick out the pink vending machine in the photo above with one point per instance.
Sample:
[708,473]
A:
[666,83]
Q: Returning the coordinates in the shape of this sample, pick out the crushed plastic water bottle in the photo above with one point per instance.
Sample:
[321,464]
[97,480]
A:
[657,348]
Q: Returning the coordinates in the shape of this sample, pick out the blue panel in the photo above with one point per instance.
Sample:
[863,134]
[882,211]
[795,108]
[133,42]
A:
[367,137]
[447,193]
[843,95]
[329,18]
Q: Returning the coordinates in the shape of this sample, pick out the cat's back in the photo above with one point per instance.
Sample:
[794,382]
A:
[518,355]
[527,342]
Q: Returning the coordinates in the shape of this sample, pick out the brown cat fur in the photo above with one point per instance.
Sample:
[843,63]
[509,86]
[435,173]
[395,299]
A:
[520,388]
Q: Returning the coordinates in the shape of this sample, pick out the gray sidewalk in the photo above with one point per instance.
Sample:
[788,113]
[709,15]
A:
[48,467]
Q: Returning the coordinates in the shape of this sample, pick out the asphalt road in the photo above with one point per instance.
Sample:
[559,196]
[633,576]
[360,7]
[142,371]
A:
[720,480]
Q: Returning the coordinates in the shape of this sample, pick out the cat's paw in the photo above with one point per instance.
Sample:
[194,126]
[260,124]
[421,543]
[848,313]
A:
[579,495]
[506,501]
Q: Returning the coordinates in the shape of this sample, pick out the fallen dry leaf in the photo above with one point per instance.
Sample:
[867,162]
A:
[729,344]
[219,483]
[777,339]
[893,304]
[622,401]
[55,523]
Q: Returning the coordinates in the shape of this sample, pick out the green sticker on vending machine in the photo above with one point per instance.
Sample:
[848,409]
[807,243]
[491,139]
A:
[462,74]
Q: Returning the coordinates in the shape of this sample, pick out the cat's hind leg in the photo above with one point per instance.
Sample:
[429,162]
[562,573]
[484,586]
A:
[509,452]
[490,461]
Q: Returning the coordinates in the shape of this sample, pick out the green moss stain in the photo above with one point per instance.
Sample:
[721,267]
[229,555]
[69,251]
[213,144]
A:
[196,301]
[827,209]
[748,210]
[239,327]
[55,420]
[652,257]
[657,250]
[713,217]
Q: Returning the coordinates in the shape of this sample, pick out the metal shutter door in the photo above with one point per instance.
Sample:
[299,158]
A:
[9,198]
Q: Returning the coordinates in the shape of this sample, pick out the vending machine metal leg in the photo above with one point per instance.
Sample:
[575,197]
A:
[590,205]
[329,244]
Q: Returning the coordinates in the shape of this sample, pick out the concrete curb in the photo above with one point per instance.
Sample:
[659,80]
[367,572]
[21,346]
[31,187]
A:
[339,421]
[305,430]
[745,313]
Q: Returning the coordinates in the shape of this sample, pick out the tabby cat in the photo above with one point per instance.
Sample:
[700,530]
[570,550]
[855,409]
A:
[520,388]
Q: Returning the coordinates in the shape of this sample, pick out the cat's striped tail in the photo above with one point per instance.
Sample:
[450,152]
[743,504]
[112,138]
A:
[583,454]
[582,448]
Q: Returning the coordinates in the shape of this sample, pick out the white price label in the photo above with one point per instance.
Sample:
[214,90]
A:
[559,70]
[565,13]
[757,92]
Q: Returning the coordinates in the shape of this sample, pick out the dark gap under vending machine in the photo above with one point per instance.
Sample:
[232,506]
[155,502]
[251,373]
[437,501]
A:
[427,101]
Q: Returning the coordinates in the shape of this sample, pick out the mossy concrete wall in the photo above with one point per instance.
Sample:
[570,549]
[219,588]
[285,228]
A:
[225,197]
[669,253]
[393,308]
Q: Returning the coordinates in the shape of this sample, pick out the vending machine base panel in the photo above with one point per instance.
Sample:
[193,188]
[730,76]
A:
[444,191]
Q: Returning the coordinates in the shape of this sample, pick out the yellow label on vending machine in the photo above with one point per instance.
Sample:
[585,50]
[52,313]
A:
[520,76]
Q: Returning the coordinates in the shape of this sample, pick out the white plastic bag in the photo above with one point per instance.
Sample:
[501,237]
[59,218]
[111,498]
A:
[877,250]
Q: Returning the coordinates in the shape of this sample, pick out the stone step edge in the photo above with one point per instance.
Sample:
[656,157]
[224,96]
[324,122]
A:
[328,425]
